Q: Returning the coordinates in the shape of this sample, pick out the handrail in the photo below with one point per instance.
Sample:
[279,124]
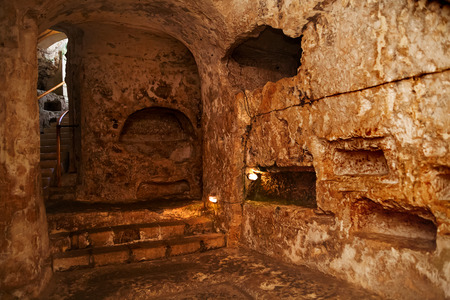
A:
[58,148]
[50,90]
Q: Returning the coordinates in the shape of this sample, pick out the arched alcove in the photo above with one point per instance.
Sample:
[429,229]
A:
[157,130]
[266,54]
[165,140]
[156,124]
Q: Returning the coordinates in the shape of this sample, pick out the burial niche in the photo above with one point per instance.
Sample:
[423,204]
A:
[284,186]
[164,152]
[270,56]
[158,132]
[394,226]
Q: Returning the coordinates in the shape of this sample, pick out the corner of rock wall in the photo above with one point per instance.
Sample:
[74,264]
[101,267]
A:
[25,268]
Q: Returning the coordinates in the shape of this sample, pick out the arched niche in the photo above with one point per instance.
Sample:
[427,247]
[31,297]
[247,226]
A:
[265,54]
[159,132]
[164,139]
[156,124]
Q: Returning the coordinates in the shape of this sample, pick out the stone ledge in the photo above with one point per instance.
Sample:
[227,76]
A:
[136,252]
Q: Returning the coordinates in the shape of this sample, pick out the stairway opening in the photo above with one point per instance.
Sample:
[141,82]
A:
[53,102]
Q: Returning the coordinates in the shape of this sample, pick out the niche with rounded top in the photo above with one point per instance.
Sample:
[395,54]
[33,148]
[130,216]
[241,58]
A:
[164,149]
[266,55]
[158,131]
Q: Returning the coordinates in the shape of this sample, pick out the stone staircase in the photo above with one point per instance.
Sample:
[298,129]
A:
[48,152]
[94,234]
[89,235]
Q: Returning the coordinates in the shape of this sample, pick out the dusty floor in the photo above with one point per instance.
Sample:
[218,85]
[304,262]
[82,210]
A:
[219,274]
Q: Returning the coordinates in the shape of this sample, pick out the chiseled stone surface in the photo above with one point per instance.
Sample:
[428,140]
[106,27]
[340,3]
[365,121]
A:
[373,83]
[23,230]
[388,144]
[220,274]
[375,130]
[153,157]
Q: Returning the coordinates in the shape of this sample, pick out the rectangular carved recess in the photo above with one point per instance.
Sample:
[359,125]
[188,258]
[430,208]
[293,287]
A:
[441,183]
[360,162]
[395,227]
[285,186]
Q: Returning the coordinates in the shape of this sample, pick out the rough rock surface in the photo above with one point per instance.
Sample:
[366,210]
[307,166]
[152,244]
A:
[141,136]
[372,119]
[24,267]
[219,274]
[367,111]
[51,106]
[50,66]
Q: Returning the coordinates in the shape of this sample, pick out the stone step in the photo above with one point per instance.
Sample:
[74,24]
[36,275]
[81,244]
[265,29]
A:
[52,130]
[47,172]
[136,252]
[52,142]
[62,190]
[117,235]
[52,135]
[55,197]
[48,163]
[46,182]
[48,156]
[77,215]
[49,149]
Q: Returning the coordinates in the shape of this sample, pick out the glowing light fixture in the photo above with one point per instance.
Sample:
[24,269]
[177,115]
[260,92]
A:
[212,199]
[252,176]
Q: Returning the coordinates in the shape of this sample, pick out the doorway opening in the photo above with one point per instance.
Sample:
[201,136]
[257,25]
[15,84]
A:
[53,102]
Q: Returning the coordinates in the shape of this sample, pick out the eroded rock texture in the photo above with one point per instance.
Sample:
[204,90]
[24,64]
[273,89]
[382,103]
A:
[140,136]
[374,125]
[181,99]
[51,106]
[24,267]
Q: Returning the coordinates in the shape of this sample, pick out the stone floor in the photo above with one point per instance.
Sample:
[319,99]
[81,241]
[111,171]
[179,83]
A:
[219,274]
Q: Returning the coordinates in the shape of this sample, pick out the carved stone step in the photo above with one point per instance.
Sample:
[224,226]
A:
[48,156]
[52,130]
[77,215]
[47,172]
[49,149]
[135,252]
[52,142]
[125,234]
[52,135]
[48,163]
[46,182]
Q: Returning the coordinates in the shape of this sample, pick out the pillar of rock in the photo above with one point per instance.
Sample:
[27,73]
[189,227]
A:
[23,227]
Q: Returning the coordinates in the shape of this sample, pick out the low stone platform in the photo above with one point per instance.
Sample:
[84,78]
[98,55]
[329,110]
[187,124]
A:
[219,274]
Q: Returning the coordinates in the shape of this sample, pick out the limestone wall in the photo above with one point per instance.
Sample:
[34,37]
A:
[24,267]
[140,117]
[368,111]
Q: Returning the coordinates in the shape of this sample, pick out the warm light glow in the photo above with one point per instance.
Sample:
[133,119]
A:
[252,176]
[213,199]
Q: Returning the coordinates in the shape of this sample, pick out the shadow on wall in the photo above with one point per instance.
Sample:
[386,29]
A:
[165,136]
[270,56]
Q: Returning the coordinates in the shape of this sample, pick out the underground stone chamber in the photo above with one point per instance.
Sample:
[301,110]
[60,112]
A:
[359,131]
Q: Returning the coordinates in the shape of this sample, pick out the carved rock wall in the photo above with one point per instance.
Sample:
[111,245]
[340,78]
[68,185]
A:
[24,267]
[369,111]
[140,117]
